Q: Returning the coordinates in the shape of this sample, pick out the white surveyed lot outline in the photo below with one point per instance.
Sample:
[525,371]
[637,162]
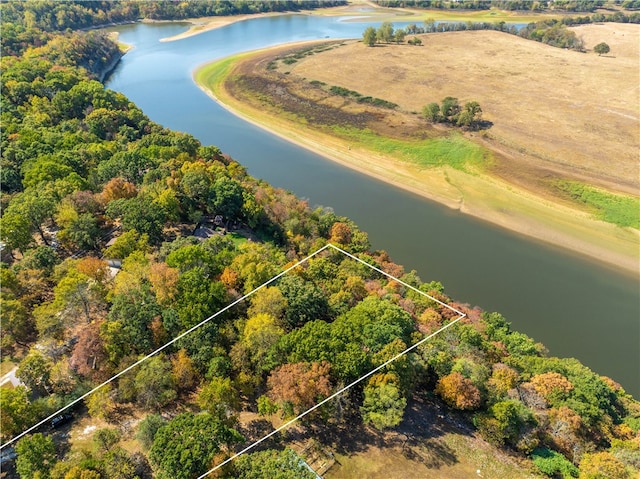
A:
[231,305]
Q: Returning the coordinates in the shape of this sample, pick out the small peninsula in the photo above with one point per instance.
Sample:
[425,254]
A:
[521,172]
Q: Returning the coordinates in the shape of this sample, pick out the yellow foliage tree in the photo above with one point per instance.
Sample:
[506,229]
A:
[458,391]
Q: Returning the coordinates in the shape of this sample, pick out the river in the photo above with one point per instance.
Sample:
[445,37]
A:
[574,305]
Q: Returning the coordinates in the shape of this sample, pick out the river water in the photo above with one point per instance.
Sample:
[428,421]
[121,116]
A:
[574,305]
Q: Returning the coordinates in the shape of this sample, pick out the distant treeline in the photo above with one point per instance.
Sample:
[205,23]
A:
[552,32]
[539,5]
[29,23]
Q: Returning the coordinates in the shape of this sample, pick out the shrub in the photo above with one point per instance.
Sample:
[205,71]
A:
[553,464]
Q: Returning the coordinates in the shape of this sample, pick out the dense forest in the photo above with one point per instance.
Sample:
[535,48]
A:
[523,5]
[28,24]
[119,235]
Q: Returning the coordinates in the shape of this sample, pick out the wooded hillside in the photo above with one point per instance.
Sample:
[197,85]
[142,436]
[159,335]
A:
[120,235]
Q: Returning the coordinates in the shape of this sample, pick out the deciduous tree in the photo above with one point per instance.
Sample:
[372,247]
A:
[300,385]
[126,244]
[101,404]
[458,391]
[148,428]
[154,384]
[305,301]
[184,374]
[34,371]
[341,233]
[36,456]
[432,112]
[268,300]
[602,465]
[17,324]
[470,116]
[185,446]
[552,386]
[450,109]
[385,32]
[220,397]
[117,188]
[383,404]
[17,412]
[369,36]
[601,49]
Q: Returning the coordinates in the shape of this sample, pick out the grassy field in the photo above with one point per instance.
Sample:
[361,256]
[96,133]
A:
[428,444]
[490,175]
[573,114]
[426,461]
[617,209]
[455,150]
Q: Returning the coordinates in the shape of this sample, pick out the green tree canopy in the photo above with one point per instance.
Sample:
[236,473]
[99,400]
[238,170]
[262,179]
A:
[17,412]
[432,112]
[148,428]
[385,33]
[383,404]
[369,36]
[36,456]
[35,372]
[186,445]
[154,384]
[272,464]
[601,49]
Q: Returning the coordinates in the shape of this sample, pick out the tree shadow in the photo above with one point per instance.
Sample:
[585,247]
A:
[432,453]
[418,438]
[256,429]
[484,125]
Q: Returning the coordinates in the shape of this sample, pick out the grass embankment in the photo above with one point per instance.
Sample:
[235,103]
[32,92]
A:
[452,150]
[620,210]
[444,166]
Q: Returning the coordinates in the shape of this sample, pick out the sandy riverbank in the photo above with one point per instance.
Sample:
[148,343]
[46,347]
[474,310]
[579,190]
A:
[479,195]
[204,24]
[363,11]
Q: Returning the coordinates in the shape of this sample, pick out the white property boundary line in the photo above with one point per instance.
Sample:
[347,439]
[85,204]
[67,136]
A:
[370,373]
[140,361]
[337,393]
[229,306]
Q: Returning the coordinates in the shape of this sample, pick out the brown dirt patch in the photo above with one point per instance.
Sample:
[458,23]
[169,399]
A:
[555,112]
[282,92]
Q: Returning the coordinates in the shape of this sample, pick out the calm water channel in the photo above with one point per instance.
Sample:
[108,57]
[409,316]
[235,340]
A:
[575,306]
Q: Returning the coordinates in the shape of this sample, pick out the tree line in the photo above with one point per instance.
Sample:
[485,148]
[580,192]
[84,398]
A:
[552,32]
[87,177]
[31,23]
[511,5]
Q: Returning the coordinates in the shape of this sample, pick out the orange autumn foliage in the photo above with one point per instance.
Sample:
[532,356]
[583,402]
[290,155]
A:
[300,384]
[458,391]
